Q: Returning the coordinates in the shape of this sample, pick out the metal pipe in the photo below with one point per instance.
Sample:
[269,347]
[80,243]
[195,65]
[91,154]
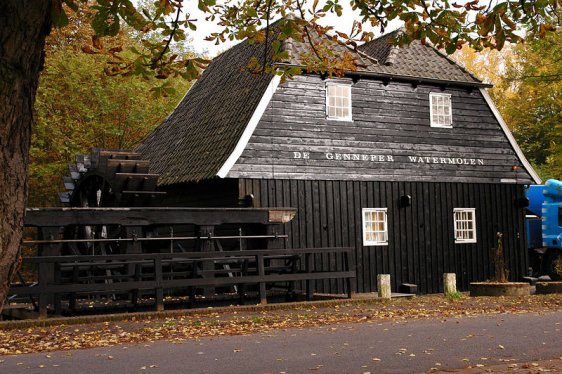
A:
[175,238]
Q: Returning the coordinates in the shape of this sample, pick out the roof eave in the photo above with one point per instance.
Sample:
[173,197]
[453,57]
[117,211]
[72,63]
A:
[404,78]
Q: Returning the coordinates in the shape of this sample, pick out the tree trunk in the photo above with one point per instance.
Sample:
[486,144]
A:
[23,28]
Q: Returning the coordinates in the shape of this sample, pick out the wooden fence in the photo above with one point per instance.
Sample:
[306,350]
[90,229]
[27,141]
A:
[149,265]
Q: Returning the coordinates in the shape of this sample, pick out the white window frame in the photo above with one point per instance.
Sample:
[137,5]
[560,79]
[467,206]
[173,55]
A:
[434,95]
[458,224]
[367,229]
[349,117]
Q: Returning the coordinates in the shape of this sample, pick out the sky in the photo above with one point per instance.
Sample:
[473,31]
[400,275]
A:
[205,28]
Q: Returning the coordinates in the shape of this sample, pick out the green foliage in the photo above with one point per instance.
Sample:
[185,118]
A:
[447,25]
[454,296]
[79,107]
[527,81]
[532,103]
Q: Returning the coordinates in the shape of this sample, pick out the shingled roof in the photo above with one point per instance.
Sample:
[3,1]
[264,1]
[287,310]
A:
[198,138]
[414,60]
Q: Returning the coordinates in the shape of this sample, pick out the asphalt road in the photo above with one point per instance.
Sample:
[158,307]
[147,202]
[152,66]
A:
[406,347]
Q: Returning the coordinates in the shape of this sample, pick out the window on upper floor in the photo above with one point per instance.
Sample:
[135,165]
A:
[465,225]
[375,226]
[338,101]
[440,111]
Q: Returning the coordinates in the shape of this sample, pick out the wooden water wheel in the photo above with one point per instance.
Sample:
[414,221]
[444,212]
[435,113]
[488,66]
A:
[103,179]
[110,178]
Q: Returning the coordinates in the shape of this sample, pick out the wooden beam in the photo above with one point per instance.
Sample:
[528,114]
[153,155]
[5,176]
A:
[49,217]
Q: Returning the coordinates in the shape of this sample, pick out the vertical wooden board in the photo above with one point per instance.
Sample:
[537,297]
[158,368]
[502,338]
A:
[441,232]
[463,247]
[330,231]
[503,226]
[433,208]
[309,220]
[303,213]
[317,229]
[337,230]
[513,226]
[448,223]
[345,221]
[357,228]
[379,252]
[292,199]
[473,248]
[478,197]
[467,248]
[362,203]
[256,188]
[512,260]
[337,211]
[277,188]
[404,227]
[325,262]
[394,234]
[241,188]
[487,231]
[412,236]
[419,204]
[386,254]
[369,253]
[410,239]
[427,238]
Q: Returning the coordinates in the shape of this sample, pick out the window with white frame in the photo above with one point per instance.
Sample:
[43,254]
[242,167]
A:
[440,110]
[465,225]
[375,227]
[338,101]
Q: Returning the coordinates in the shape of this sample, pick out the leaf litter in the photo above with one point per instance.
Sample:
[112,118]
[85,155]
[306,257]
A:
[178,329]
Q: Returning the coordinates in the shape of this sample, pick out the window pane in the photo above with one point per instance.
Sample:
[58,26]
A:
[339,97]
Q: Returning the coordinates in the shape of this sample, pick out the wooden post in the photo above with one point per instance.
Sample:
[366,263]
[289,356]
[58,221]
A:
[449,283]
[207,245]
[309,283]
[47,270]
[159,291]
[261,273]
[133,271]
[383,286]
[350,282]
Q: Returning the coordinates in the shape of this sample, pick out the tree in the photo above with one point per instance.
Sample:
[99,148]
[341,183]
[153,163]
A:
[533,101]
[24,26]
[527,90]
[78,106]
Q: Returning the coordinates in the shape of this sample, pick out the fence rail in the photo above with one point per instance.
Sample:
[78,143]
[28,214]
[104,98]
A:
[80,276]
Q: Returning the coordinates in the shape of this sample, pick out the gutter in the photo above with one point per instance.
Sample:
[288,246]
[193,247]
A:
[404,78]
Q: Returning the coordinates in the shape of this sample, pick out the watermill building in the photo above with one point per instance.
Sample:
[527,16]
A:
[405,159]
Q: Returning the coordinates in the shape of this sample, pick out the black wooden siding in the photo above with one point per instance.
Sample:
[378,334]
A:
[388,119]
[421,245]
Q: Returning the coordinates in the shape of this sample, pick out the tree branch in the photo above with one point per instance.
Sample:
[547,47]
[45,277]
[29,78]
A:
[159,58]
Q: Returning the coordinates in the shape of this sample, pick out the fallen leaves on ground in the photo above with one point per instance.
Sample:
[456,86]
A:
[178,329]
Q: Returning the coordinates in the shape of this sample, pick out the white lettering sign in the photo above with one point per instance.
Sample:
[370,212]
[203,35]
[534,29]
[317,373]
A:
[415,159]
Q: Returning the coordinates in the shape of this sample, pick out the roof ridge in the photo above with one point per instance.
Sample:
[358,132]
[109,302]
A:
[394,49]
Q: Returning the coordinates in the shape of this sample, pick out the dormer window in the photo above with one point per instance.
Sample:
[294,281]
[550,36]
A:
[338,101]
[440,110]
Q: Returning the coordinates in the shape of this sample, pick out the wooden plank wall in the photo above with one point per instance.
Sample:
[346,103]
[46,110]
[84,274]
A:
[388,121]
[421,244]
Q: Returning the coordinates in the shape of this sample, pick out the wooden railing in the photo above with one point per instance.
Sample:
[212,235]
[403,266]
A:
[83,276]
[141,252]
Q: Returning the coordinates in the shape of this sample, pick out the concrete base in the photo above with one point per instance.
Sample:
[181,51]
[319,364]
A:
[544,288]
[500,289]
